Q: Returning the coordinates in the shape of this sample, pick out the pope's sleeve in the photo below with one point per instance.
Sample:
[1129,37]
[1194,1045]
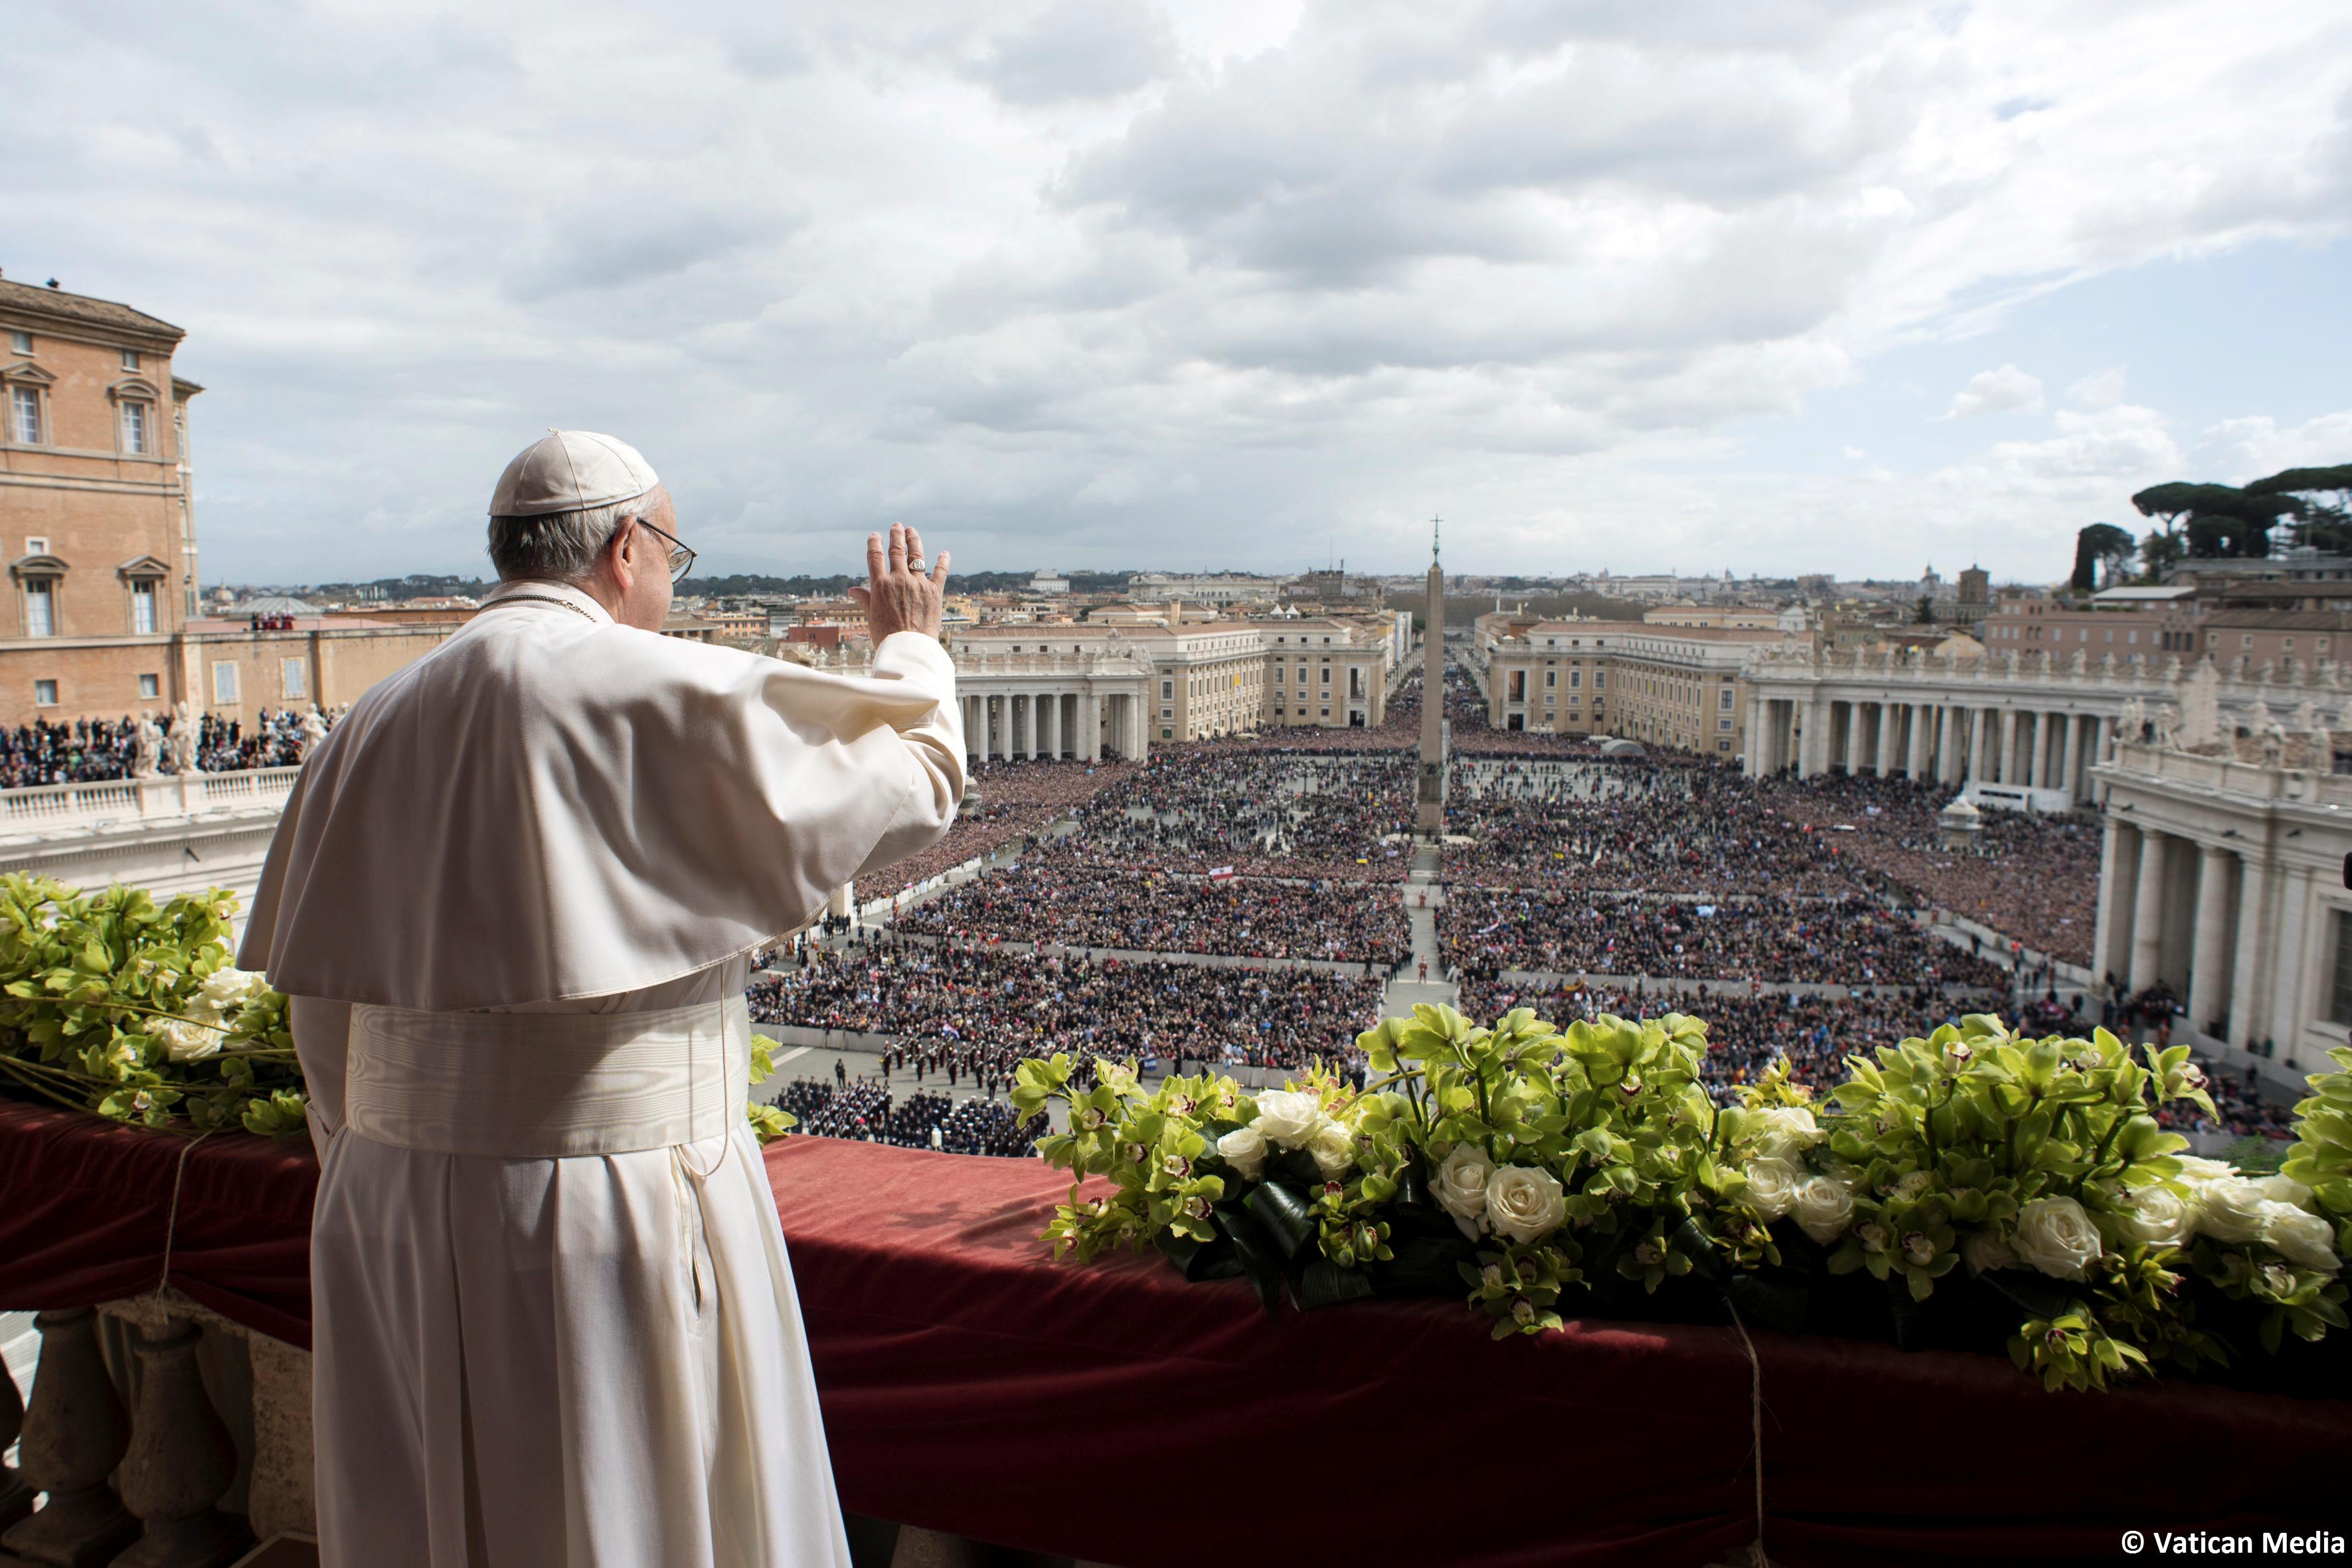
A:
[935,743]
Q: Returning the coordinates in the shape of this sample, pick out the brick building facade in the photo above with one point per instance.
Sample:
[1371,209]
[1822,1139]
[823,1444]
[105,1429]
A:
[95,524]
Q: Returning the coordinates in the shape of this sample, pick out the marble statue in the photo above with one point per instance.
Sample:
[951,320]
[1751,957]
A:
[2168,728]
[314,730]
[181,743]
[2131,724]
[2200,706]
[148,740]
[2307,720]
[2273,737]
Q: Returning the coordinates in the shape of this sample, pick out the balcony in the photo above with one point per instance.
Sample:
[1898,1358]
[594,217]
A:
[979,1392]
[116,804]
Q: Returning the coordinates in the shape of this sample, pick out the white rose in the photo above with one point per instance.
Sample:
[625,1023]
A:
[1333,1148]
[1523,1204]
[1983,1251]
[185,1041]
[2195,1168]
[1787,1132]
[1287,1116]
[2300,1235]
[1244,1148]
[1771,1187]
[2055,1236]
[1824,1208]
[1459,1185]
[2157,1216]
[2284,1189]
[2230,1208]
[226,990]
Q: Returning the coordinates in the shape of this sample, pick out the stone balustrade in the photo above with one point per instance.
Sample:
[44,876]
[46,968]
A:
[160,1435]
[140,1466]
[111,802]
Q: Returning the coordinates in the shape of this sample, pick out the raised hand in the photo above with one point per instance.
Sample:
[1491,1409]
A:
[901,594]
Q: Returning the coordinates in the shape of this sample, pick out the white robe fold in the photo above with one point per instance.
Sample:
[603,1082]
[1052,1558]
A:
[583,1362]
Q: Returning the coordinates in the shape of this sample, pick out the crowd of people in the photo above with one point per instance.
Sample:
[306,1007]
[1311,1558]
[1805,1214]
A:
[2031,876]
[92,750]
[1017,800]
[82,752]
[1803,902]
[1852,940]
[1209,806]
[867,1112]
[992,1004]
[1074,901]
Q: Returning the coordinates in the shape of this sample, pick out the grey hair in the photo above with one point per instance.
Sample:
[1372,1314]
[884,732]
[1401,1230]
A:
[561,546]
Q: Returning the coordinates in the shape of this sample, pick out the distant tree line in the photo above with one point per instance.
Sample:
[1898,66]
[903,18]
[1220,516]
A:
[2306,508]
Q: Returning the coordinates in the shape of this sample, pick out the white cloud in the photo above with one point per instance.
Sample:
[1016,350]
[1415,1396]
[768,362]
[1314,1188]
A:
[2006,389]
[2101,389]
[2250,447]
[1070,282]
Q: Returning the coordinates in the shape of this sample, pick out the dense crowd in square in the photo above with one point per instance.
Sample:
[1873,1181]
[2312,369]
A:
[1851,940]
[989,1004]
[1070,902]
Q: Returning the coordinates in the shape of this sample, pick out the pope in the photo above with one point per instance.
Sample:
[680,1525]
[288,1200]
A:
[514,898]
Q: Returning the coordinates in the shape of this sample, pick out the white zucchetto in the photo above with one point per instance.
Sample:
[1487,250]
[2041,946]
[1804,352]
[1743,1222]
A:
[566,470]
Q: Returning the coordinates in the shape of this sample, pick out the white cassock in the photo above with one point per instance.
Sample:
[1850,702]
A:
[514,897]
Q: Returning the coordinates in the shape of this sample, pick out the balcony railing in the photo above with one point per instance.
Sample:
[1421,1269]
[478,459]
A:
[121,802]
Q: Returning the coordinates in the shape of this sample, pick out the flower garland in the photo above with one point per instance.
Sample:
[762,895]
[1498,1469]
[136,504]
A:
[1973,1178]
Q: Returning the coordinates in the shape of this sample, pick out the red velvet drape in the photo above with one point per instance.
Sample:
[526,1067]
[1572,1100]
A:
[1117,1413]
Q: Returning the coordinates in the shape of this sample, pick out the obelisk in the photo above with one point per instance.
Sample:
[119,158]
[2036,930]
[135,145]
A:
[1429,815]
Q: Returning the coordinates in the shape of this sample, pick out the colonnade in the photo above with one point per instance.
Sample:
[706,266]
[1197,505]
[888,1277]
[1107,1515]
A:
[2195,915]
[1030,724]
[2025,747]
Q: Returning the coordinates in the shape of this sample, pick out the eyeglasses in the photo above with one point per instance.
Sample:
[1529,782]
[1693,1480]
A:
[681,560]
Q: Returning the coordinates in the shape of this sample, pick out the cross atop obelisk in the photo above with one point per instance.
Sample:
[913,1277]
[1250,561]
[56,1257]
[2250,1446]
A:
[1429,796]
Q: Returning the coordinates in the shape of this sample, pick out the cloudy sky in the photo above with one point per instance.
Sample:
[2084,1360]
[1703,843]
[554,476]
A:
[1823,284]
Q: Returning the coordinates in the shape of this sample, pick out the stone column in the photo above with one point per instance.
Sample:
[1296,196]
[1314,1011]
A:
[2007,762]
[2147,913]
[1949,765]
[1923,730]
[1008,726]
[1054,727]
[2070,760]
[1980,725]
[1890,724]
[1813,753]
[2030,733]
[2209,958]
[1851,753]
[2257,887]
[1089,747]
[2287,1007]
[2110,941]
